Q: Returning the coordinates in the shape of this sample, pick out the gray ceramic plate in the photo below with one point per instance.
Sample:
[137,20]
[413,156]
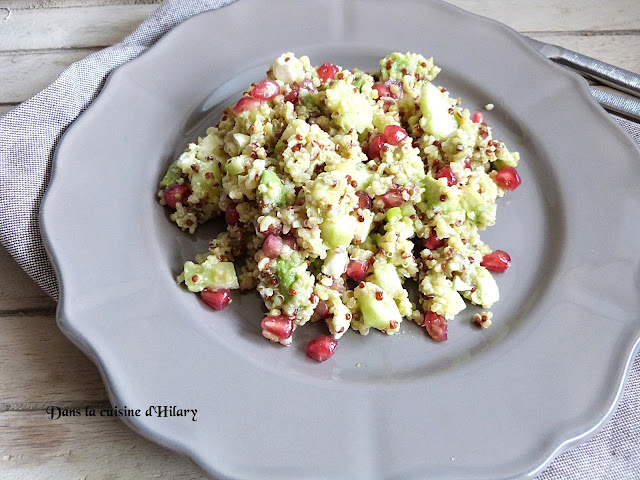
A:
[491,404]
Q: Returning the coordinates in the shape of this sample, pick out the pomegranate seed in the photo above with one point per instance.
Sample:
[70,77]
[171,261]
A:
[393,198]
[508,178]
[375,146]
[327,71]
[398,84]
[244,104]
[175,194]
[383,90]
[279,326]
[290,240]
[395,134]
[364,200]
[272,246]
[265,90]
[467,164]
[436,326]
[477,117]
[357,270]
[496,261]
[321,348]
[322,309]
[292,96]
[446,172]
[432,241]
[231,216]
[216,299]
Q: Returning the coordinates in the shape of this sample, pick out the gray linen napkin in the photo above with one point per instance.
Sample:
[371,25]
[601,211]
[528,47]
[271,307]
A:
[28,137]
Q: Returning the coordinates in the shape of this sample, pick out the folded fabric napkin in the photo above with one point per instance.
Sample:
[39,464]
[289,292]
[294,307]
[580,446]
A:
[29,135]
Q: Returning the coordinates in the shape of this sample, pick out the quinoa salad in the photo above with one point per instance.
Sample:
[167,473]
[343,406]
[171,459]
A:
[338,188]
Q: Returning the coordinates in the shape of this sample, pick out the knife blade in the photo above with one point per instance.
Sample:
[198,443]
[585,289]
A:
[616,77]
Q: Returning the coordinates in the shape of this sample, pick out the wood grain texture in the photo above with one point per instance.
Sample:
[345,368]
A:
[554,15]
[40,366]
[24,74]
[17,290]
[17,4]
[620,50]
[66,28]
[34,447]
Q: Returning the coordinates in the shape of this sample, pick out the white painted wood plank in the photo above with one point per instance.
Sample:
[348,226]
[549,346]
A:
[15,4]
[555,15]
[41,366]
[70,27]
[620,50]
[540,15]
[17,290]
[25,74]
[104,25]
[36,448]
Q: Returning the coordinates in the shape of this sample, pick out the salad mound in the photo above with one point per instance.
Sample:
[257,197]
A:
[337,187]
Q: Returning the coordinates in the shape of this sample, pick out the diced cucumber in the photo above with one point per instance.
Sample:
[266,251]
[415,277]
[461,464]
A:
[211,273]
[386,277]
[338,231]
[394,213]
[435,106]
[235,165]
[378,308]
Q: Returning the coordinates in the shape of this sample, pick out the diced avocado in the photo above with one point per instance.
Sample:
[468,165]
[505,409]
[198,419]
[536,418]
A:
[235,165]
[438,195]
[477,209]
[338,231]
[378,308]
[386,277]
[358,82]
[397,65]
[212,273]
[353,109]
[434,106]
[285,276]
[505,158]
[174,172]
[271,188]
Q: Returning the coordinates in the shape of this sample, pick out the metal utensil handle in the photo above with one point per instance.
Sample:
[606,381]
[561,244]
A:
[617,103]
[616,77]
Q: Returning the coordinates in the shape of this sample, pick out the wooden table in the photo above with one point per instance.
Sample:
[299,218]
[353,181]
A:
[40,367]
